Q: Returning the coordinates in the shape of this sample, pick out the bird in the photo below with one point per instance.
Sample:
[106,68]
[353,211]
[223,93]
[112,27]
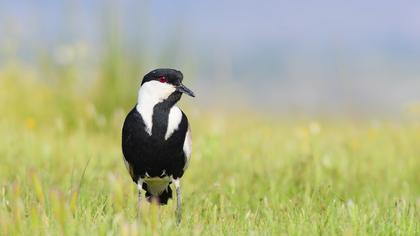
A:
[156,137]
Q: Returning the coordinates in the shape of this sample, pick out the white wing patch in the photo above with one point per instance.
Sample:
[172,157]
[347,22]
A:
[187,147]
[174,119]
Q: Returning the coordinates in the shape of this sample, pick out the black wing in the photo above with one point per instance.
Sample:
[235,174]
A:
[134,136]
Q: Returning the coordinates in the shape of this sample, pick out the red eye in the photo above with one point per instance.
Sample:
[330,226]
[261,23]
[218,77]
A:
[163,79]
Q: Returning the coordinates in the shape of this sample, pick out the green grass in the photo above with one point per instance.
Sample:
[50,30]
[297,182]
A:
[61,172]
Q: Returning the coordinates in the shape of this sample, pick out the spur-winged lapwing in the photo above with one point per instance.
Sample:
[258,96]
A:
[156,137]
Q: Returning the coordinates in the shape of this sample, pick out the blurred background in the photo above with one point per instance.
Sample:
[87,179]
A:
[310,58]
[306,119]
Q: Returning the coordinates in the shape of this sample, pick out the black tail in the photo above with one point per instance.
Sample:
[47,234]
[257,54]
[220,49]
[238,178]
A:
[162,199]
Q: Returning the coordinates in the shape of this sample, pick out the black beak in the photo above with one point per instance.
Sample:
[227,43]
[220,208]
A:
[181,88]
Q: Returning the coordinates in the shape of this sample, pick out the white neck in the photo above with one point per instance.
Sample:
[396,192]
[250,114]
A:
[145,104]
[150,94]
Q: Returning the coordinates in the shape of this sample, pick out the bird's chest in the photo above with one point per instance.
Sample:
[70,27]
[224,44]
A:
[159,126]
[160,121]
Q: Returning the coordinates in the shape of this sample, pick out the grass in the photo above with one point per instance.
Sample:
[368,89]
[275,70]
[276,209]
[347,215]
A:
[61,172]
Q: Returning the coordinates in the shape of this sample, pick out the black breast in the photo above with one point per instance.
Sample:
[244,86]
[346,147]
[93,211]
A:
[152,154]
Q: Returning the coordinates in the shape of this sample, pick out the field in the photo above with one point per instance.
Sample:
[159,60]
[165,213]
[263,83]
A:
[61,170]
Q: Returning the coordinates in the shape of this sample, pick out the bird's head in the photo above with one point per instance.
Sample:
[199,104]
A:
[159,84]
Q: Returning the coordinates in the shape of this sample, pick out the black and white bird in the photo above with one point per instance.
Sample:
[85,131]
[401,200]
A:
[156,137]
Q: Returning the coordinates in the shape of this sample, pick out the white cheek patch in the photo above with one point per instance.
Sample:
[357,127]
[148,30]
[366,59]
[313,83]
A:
[174,119]
[159,90]
[150,94]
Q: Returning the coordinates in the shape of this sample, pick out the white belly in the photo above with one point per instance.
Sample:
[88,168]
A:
[156,185]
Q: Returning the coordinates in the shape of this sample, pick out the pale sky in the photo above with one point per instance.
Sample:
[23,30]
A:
[309,53]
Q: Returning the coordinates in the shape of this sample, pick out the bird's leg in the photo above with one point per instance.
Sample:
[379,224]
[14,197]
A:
[139,187]
[178,200]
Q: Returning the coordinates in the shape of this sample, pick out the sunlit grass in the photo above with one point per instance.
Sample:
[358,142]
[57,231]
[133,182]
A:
[62,172]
